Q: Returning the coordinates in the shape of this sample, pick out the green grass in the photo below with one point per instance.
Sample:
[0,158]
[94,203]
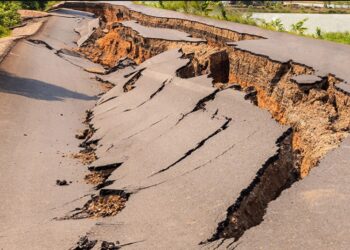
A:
[9,16]
[278,7]
[4,31]
[50,4]
[339,37]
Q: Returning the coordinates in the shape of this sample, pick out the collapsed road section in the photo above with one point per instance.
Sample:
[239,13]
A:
[203,133]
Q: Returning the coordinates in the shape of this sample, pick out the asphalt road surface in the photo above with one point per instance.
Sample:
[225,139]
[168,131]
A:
[43,100]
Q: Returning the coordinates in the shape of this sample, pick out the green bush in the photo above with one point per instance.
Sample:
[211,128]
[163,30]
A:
[299,27]
[4,31]
[8,14]
[36,5]
[272,25]
[213,9]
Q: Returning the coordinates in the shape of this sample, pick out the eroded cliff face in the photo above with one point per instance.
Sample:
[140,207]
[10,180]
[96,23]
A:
[318,114]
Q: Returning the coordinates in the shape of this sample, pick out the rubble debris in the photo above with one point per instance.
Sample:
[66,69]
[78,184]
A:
[121,64]
[82,135]
[108,203]
[105,245]
[84,244]
[85,156]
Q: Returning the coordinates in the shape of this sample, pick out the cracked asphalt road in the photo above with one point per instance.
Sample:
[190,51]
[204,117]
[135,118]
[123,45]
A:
[184,151]
[44,97]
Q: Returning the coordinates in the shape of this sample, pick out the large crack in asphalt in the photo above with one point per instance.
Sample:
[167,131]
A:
[152,95]
[40,42]
[129,85]
[198,146]
[277,173]
[200,105]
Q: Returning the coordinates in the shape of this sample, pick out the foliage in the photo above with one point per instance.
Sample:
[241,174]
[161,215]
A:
[32,5]
[4,31]
[37,5]
[299,27]
[215,9]
[272,25]
[50,4]
[8,16]
[339,37]
[318,33]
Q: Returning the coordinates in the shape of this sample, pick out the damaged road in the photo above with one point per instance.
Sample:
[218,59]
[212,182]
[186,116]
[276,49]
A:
[194,138]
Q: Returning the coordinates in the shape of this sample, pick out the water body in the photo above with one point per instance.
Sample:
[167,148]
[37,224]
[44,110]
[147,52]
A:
[327,22]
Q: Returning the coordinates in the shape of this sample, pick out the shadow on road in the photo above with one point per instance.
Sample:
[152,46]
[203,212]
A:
[37,89]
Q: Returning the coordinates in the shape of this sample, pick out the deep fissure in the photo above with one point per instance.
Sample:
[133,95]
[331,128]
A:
[278,173]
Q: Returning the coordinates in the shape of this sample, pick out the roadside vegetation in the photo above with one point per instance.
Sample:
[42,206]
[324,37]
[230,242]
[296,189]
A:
[9,16]
[217,10]
[292,7]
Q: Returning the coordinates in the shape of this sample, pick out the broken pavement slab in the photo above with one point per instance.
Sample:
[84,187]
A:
[194,203]
[160,33]
[191,150]
[86,30]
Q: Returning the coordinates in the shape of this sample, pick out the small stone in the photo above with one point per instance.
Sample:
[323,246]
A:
[61,182]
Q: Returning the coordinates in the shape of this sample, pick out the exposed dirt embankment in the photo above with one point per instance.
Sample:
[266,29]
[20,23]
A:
[118,41]
[318,113]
